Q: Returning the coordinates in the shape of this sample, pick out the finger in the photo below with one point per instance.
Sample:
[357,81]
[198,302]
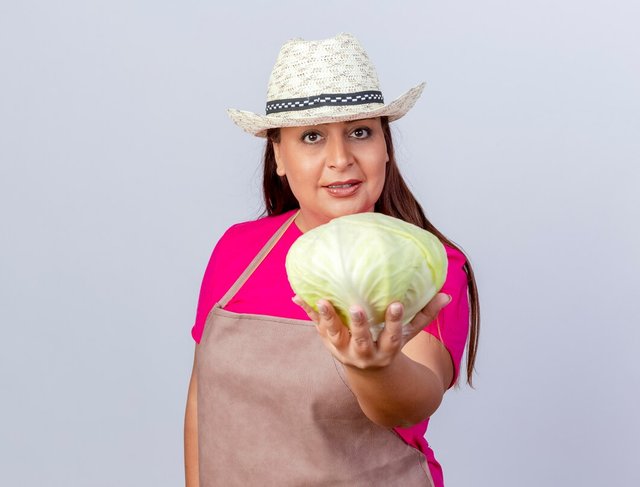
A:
[361,339]
[390,340]
[312,313]
[429,313]
[330,324]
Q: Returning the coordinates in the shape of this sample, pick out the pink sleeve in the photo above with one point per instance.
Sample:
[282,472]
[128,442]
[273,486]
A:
[451,326]
[230,257]
[215,281]
[206,299]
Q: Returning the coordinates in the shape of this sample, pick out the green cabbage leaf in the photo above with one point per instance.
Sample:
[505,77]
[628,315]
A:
[369,260]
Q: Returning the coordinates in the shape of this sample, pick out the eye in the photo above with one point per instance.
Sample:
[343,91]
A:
[310,137]
[361,132]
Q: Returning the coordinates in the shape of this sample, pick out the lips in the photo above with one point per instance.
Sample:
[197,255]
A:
[343,188]
[343,184]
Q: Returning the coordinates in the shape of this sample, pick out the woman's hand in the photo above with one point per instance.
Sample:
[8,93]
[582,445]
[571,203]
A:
[355,347]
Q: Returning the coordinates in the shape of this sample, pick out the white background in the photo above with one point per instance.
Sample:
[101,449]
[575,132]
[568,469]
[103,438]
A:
[119,170]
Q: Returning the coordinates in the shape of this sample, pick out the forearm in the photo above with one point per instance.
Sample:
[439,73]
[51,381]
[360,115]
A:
[192,478]
[401,394]
[400,379]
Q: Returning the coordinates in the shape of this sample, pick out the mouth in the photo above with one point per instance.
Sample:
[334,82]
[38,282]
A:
[343,184]
[343,188]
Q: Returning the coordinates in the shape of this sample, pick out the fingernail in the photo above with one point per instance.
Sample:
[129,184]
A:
[322,308]
[355,314]
[449,298]
[396,310]
[296,300]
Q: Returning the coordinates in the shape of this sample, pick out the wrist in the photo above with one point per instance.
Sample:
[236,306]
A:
[380,370]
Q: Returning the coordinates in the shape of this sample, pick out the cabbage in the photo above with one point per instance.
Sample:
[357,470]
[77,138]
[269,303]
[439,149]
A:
[369,260]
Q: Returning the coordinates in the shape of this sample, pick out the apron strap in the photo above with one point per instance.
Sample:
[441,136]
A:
[256,261]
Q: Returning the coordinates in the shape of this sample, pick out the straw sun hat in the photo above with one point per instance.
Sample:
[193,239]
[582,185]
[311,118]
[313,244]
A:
[325,81]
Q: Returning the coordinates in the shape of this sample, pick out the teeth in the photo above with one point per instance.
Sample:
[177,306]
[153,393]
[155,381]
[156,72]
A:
[348,185]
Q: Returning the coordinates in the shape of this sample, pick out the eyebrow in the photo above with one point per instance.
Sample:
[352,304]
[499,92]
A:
[319,126]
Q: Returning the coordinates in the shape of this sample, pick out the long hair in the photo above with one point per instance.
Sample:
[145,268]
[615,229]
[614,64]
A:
[396,200]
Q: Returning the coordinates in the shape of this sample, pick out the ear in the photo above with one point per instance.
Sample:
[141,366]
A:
[279,165]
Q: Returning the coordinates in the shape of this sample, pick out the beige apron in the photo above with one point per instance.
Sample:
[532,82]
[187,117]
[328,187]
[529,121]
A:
[275,409]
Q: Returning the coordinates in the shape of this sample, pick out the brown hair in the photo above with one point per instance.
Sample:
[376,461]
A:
[396,200]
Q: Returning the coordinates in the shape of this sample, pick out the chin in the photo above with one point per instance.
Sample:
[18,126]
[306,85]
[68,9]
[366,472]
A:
[351,211]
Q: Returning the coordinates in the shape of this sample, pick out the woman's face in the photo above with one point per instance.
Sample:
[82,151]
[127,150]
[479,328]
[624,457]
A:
[333,169]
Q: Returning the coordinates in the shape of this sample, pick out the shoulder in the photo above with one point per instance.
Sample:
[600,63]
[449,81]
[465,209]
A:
[452,325]
[455,256]
[234,251]
[456,273]
[252,233]
[256,228]
[247,238]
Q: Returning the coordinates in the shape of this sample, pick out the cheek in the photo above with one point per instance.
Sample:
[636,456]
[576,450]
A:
[380,183]
[379,178]
[303,179]
[303,168]
[378,169]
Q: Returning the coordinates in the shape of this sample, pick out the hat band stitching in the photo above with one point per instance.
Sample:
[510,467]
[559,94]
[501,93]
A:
[305,103]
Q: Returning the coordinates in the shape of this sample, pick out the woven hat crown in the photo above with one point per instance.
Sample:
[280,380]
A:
[316,82]
[309,68]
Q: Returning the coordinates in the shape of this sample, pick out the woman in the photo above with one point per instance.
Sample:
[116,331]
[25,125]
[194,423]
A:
[270,402]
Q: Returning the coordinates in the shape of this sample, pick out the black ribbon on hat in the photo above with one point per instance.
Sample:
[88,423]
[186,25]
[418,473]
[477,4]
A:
[337,99]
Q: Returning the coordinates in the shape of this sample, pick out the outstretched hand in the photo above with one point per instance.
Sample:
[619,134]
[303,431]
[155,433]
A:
[355,346]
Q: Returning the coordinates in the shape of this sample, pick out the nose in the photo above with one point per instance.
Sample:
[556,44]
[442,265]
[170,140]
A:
[339,155]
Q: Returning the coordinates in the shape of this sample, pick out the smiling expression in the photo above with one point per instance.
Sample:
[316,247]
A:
[333,169]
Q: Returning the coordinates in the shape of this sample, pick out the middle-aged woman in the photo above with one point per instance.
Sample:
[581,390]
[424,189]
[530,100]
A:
[273,400]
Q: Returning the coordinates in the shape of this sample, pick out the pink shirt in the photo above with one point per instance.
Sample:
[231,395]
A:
[268,292]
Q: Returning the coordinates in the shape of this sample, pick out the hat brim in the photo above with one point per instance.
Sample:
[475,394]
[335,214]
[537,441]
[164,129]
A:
[258,125]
